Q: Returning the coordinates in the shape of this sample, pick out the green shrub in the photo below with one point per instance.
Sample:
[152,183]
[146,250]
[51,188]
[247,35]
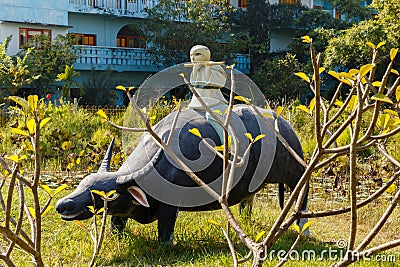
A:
[73,140]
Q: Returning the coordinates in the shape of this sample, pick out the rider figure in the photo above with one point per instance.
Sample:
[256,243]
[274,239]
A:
[207,78]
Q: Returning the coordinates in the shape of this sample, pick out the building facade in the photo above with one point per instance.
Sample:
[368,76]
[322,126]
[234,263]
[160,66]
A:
[23,19]
[107,32]
[281,37]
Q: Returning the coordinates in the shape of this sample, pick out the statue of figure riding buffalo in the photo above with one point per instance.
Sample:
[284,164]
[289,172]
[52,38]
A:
[146,180]
[152,186]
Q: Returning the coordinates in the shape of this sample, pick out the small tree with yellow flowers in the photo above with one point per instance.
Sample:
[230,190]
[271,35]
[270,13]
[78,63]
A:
[30,208]
[369,113]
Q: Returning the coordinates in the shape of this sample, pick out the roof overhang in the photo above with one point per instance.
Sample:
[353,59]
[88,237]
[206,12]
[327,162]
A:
[35,23]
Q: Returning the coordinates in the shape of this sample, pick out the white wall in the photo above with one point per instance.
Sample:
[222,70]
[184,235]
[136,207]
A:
[105,28]
[37,14]
[308,3]
[7,29]
[35,11]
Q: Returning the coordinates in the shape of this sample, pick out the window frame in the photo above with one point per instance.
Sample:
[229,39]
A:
[290,2]
[129,38]
[83,36]
[25,36]
[338,15]
[243,3]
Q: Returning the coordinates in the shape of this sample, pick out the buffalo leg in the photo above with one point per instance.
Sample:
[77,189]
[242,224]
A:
[117,224]
[304,208]
[246,208]
[302,221]
[281,194]
[167,215]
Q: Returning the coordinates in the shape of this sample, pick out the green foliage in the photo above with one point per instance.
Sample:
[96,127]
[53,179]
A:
[198,242]
[261,19]
[98,88]
[349,48]
[388,12]
[312,19]
[161,108]
[352,11]
[303,123]
[46,59]
[288,86]
[388,16]
[30,212]
[14,73]
[344,138]
[258,21]
[68,78]
[171,36]
[320,26]
[73,139]
[317,24]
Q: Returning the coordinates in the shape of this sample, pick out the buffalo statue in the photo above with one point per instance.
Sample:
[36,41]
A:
[152,186]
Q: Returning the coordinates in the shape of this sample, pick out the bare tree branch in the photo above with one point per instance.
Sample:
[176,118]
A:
[128,129]
[378,226]
[361,204]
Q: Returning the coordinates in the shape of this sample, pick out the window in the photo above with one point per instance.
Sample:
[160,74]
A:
[84,39]
[297,2]
[26,36]
[337,14]
[131,36]
[131,41]
[243,3]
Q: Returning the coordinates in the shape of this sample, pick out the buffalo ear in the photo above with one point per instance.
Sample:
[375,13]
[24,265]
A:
[105,164]
[138,195]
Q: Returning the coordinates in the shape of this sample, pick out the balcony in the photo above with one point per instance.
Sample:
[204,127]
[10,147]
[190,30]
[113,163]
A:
[242,63]
[115,58]
[129,8]
[285,15]
[129,59]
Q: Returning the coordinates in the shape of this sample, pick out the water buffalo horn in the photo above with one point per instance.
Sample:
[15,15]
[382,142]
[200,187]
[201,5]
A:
[105,164]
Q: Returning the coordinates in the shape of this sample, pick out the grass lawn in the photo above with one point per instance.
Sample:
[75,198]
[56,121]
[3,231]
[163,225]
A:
[200,243]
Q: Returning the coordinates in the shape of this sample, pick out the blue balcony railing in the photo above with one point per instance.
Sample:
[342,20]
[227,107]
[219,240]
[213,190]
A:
[112,7]
[129,59]
[114,58]
[242,63]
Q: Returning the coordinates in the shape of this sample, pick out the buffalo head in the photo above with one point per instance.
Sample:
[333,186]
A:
[75,205]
